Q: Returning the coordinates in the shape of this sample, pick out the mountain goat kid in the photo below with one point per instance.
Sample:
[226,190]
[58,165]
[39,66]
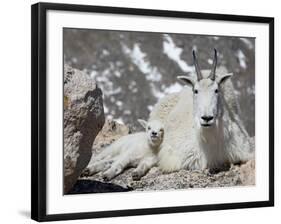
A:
[201,130]
[138,150]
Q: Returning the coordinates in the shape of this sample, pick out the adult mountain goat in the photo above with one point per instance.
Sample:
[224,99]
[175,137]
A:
[201,128]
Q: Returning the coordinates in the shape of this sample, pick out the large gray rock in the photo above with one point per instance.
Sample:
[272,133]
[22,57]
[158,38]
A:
[83,119]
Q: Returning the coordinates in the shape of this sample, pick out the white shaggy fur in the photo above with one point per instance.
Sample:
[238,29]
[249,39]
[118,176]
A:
[163,107]
[188,145]
[138,150]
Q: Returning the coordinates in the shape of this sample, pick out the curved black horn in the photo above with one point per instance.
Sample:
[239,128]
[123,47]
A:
[213,71]
[197,68]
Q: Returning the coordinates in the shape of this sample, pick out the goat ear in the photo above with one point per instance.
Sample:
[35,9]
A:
[186,80]
[143,123]
[221,79]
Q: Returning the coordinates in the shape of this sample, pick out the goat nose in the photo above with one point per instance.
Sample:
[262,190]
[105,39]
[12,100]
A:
[154,133]
[207,118]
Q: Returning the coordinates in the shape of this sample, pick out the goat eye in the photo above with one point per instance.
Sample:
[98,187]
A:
[149,128]
[216,91]
[195,91]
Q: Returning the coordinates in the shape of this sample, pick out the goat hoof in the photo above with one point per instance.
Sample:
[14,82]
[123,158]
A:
[106,177]
[136,176]
[86,173]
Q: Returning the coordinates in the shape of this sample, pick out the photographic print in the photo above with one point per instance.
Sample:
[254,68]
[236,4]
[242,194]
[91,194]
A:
[147,111]
[140,111]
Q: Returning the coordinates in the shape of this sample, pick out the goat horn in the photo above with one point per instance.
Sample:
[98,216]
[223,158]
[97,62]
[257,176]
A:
[212,76]
[197,68]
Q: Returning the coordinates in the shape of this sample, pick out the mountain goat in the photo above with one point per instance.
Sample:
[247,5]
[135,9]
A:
[202,130]
[138,150]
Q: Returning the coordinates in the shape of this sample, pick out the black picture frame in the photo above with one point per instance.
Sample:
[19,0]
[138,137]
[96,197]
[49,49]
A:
[39,108]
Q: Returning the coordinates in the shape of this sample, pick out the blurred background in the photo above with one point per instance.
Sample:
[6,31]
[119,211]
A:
[136,69]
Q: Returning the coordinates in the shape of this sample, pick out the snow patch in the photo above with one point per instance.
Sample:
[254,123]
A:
[119,103]
[242,59]
[105,108]
[156,93]
[215,38]
[139,59]
[117,73]
[210,61]
[105,52]
[150,107]
[174,53]
[239,84]
[74,60]
[247,42]
[119,63]
[132,84]
[251,90]
[135,90]
[127,112]
[236,92]
[93,74]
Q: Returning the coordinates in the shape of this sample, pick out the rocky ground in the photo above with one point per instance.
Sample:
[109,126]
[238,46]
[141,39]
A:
[235,175]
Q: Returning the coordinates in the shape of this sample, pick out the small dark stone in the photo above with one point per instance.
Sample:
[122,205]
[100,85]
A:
[92,186]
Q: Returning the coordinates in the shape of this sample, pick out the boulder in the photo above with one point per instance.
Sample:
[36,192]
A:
[111,131]
[83,119]
[247,173]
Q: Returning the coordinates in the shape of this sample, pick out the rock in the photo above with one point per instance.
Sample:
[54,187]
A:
[83,119]
[92,186]
[247,173]
[111,131]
